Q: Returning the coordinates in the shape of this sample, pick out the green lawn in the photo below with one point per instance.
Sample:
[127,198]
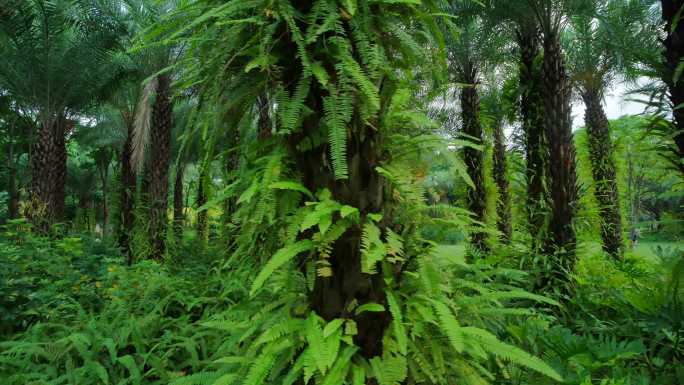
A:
[644,249]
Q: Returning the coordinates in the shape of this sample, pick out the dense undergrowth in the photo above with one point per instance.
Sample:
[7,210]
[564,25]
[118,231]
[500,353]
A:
[74,313]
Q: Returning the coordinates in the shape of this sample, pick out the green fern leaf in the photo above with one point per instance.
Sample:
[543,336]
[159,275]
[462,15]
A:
[397,322]
[281,257]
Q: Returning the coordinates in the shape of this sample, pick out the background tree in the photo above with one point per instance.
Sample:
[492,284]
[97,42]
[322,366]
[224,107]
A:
[600,45]
[556,93]
[472,49]
[41,42]
[673,53]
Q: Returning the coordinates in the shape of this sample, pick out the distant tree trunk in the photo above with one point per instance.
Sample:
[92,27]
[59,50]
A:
[157,166]
[178,214]
[201,200]
[532,116]
[474,159]
[13,191]
[563,179]
[674,53]
[48,174]
[503,206]
[127,196]
[104,176]
[603,171]
[263,104]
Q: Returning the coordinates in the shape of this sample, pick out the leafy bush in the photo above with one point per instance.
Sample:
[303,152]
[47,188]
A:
[40,275]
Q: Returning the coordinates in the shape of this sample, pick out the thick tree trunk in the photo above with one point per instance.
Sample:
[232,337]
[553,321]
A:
[563,179]
[127,196]
[364,189]
[474,159]
[200,201]
[532,116]
[603,171]
[674,53]
[157,167]
[48,174]
[178,214]
[503,205]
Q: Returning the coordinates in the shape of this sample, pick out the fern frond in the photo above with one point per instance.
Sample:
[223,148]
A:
[281,257]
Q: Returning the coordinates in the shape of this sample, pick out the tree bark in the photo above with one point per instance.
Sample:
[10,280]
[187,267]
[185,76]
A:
[200,201]
[48,174]
[603,170]
[127,196]
[178,214]
[13,203]
[503,205]
[673,54]
[157,167]
[562,173]
[532,116]
[474,158]
[364,189]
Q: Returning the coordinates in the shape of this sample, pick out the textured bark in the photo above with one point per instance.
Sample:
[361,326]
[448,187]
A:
[263,104]
[364,189]
[157,167]
[532,116]
[48,174]
[127,195]
[673,54]
[200,201]
[178,214]
[474,159]
[562,173]
[13,191]
[603,171]
[503,205]
[13,202]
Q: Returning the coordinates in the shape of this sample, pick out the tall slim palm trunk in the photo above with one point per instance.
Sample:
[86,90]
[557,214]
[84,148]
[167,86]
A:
[178,205]
[127,194]
[474,158]
[673,54]
[13,191]
[503,205]
[562,173]
[157,167]
[201,200]
[603,171]
[48,174]
[532,116]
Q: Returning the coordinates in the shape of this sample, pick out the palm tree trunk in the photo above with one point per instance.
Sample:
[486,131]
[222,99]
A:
[201,200]
[474,159]
[562,173]
[364,189]
[674,53]
[532,116]
[503,206]
[603,171]
[178,215]
[157,167]
[13,191]
[127,195]
[48,174]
